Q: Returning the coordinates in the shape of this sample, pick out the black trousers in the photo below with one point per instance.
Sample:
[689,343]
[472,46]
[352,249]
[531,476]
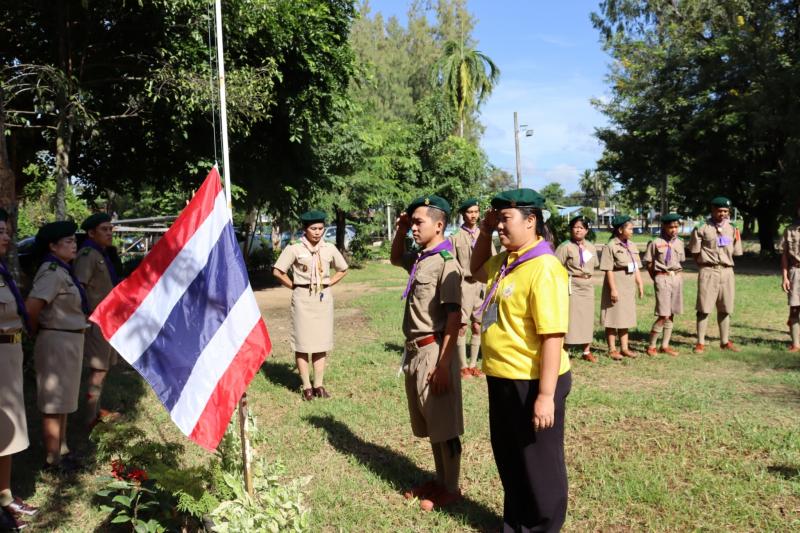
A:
[531,464]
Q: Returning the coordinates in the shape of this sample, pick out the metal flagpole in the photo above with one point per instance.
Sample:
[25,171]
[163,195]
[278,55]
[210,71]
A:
[246,454]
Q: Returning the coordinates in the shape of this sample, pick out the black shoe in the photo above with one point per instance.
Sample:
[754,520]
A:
[10,521]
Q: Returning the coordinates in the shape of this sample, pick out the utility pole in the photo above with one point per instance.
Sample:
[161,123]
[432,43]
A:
[516,146]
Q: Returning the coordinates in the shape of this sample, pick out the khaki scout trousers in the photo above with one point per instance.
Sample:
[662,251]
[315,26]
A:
[715,288]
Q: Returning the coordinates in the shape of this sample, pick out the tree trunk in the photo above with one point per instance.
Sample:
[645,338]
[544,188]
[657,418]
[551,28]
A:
[63,143]
[8,190]
[341,222]
[767,229]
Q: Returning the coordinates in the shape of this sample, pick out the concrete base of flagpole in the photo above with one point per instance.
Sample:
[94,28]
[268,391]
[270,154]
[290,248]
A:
[248,474]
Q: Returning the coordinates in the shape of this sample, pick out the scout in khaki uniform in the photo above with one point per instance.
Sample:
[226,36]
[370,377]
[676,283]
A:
[312,298]
[431,323]
[527,369]
[57,306]
[471,290]
[579,257]
[663,258]
[13,424]
[96,273]
[790,265]
[713,245]
[621,263]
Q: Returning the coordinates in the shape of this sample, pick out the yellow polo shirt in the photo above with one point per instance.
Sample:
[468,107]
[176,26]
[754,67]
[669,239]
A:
[533,300]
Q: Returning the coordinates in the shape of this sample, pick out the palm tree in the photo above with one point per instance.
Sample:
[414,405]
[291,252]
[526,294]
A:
[467,77]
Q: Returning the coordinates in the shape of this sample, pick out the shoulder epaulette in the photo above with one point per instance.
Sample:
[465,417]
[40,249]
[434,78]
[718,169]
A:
[446,255]
[86,251]
[52,266]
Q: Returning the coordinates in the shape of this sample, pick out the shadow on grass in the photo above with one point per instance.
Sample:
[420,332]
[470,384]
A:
[281,374]
[393,347]
[785,471]
[397,470]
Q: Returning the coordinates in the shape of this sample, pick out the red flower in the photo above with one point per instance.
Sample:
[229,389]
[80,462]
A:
[137,474]
[117,469]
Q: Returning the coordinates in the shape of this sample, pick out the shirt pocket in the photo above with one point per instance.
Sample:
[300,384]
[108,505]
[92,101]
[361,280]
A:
[424,286]
[8,305]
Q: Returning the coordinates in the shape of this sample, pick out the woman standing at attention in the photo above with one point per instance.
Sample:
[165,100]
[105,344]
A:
[525,317]
[312,299]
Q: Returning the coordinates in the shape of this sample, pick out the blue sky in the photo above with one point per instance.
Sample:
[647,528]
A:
[551,64]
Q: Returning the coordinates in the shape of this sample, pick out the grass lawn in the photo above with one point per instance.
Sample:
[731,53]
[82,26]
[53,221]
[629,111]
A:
[706,442]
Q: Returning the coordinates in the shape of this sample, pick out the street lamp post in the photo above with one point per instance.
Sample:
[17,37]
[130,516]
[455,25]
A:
[528,133]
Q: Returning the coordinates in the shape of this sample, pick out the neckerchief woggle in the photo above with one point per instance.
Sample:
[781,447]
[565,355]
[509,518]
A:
[668,256]
[444,245]
[472,233]
[84,302]
[722,240]
[89,243]
[315,284]
[12,286]
[540,249]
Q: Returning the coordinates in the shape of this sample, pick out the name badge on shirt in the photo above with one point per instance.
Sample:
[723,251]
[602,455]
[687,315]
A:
[632,267]
[587,255]
[489,316]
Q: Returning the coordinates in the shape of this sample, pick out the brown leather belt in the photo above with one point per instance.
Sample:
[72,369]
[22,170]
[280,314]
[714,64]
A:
[667,272]
[716,267]
[582,276]
[66,330]
[11,338]
[420,342]
[308,286]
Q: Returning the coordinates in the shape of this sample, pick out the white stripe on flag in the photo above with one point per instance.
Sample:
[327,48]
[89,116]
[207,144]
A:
[141,329]
[215,360]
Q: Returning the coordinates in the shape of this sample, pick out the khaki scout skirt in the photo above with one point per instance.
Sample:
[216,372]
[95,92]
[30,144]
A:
[97,352]
[58,356]
[13,424]
[715,288]
[439,417]
[669,294]
[620,315]
[581,311]
[312,320]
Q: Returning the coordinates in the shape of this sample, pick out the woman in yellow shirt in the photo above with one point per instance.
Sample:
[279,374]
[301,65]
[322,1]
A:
[525,318]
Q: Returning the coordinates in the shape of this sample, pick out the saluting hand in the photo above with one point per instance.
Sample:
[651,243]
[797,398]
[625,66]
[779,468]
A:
[489,222]
[544,412]
[439,380]
[402,223]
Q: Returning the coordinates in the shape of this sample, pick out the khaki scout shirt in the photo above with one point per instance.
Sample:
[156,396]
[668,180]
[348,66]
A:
[569,255]
[437,282]
[617,257]
[790,244]
[297,257]
[463,244]
[54,285]
[10,321]
[656,253]
[704,242]
[91,269]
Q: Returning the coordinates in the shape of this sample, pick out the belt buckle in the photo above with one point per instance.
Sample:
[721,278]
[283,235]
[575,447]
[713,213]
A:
[671,273]
[411,346]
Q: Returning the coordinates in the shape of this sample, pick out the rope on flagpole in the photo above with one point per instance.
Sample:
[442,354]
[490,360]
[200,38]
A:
[211,40]
[246,453]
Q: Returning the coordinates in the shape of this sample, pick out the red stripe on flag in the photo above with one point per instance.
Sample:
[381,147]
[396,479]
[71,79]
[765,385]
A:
[122,302]
[215,417]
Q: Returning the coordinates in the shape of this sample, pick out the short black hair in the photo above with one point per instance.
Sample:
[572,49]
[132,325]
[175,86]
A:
[437,215]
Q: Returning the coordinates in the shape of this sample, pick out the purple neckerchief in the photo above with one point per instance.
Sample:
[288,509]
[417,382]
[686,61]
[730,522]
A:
[89,243]
[543,248]
[626,245]
[669,242]
[472,233]
[84,302]
[444,245]
[580,251]
[722,240]
[21,310]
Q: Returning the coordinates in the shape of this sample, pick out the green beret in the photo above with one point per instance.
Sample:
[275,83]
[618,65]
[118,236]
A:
[54,231]
[466,204]
[95,220]
[313,216]
[579,218]
[721,201]
[432,200]
[619,221]
[671,217]
[518,198]
[3,215]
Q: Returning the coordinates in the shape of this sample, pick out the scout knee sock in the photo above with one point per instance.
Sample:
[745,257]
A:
[724,322]
[438,462]
[6,497]
[794,328]
[461,342]
[319,371]
[655,331]
[702,326]
[92,402]
[474,349]
[302,369]
[667,333]
[451,454]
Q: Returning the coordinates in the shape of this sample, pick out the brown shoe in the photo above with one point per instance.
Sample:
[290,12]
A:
[793,349]
[11,521]
[729,347]
[475,371]
[320,392]
[465,373]
[422,491]
[308,395]
[588,356]
[440,498]
[699,348]
[651,351]
[669,351]
[615,355]
[20,507]
[629,354]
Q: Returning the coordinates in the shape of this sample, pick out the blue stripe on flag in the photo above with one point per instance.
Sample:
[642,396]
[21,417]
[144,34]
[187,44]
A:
[168,361]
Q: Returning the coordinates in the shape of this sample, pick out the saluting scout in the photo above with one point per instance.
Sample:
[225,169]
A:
[579,257]
[57,307]
[713,245]
[431,322]
[790,265]
[310,261]
[621,263]
[94,269]
[471,290]
[663,258]
[13,422]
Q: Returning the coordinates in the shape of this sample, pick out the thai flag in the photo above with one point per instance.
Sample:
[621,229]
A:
[188,321]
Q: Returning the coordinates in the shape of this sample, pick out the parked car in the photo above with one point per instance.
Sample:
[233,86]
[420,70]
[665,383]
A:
[349,235]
